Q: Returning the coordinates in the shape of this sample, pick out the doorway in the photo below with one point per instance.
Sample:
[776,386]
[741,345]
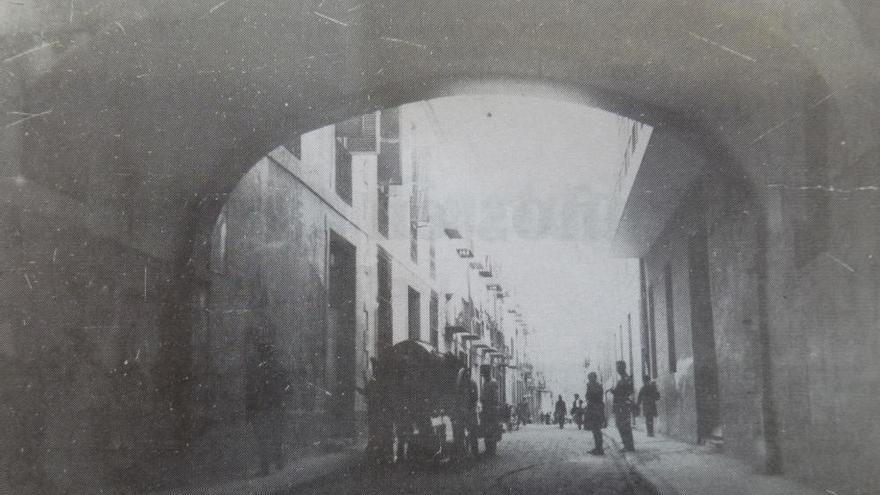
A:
[703,335]
[384,315]
[342,292]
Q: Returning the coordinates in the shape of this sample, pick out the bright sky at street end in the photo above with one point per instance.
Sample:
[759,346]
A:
[529,180]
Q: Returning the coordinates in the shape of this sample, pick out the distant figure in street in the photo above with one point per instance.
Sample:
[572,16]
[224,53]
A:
[622,406]
[464,417]
[594,413]
[559,413]
[522,412]
[647,401]
[507,417]
[577,413]
[489,400]
[266,386]
[574,410]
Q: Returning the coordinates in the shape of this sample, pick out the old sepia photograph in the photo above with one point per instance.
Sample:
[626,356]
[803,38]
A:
[440,247]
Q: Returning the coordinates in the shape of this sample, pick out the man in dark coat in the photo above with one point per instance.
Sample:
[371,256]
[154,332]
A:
[622,406]
[594,413]
[267,385]
[522,412]
[559,413]
[647,401]
[464,417]
[489,399]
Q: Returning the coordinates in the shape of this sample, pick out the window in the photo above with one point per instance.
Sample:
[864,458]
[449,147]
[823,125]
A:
[343,172]
[384,321]
[670,320]
[359,133]
[382,209]
[432,252]
[435,319]
[414,223]
[643,320]
[388,171]
[295,146]
[414,301]
[388,168]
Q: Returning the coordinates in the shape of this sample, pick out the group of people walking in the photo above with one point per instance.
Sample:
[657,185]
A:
[465,424]
[591,416]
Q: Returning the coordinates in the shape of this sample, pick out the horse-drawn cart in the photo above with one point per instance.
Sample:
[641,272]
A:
[422,393]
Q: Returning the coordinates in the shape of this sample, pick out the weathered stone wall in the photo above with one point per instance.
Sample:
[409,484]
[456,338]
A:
[794,331]
[824,308]
[677,413]
[269,284]
[85,347]
[733,250]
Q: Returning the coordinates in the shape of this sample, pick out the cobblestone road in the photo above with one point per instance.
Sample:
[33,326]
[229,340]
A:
[537,459]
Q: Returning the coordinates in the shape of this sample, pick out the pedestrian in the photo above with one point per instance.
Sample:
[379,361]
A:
[267,385]
[574,410]
[577,413]
[622,406]
[647,401]
[508,416]
[522,412]
[594,413]
[489,400]
[464,420]
[559,413]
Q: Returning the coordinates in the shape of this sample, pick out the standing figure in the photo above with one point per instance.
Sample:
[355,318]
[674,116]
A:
[622,406]
[594,413]
[574,410]
[522,412]
[507,417]
[464,418]
[266,386]
[489,400]
[577,413]
[648,397]
[559,413]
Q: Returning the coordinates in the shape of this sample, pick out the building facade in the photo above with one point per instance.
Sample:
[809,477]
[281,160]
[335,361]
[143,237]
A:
[326,252]
[319,252]
[741,308]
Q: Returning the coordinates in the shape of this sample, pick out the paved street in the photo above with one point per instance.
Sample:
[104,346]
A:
[535,459]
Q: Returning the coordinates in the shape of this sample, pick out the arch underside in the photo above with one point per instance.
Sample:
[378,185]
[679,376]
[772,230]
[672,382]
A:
[160,107]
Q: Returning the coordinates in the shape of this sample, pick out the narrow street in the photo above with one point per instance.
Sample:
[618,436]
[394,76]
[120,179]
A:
[535,459]
[286,246]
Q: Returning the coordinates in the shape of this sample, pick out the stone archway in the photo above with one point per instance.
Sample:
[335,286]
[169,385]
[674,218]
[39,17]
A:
[137,119]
